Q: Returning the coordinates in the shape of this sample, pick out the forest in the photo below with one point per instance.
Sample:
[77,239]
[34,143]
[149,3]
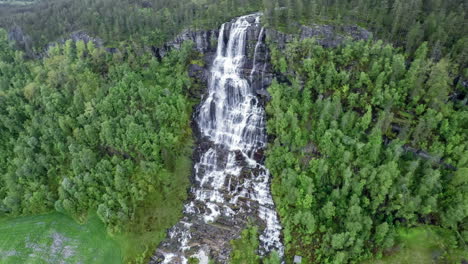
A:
[366,140]
[88,132]
[149,22]
[364,144]
[405,23]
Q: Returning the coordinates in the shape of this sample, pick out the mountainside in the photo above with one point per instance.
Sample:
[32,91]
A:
[238,131]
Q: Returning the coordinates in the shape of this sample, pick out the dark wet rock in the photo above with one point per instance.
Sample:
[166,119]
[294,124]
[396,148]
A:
[264,95]
[85,37]
[112,50]
[259,156]
[250,19]
[22,40]
[199,76]
[198,72]
[240,159]
[146,4]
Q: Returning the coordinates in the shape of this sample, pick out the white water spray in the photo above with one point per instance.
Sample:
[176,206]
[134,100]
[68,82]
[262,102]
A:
[233,120]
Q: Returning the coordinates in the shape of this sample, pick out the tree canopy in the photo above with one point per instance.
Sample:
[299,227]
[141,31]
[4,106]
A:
[364,142]
[86,131]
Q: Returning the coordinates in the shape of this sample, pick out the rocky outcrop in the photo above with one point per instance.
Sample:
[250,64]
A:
[427,156]
[204,42]
[326,35]
[75,37]
[198,72]
[199,75]
[22,40]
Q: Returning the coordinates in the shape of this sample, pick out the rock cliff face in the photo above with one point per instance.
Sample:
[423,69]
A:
[22,40]
[75,37]
[325,35]
[205,42]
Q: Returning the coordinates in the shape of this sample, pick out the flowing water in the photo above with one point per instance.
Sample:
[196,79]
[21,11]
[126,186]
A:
[231,185]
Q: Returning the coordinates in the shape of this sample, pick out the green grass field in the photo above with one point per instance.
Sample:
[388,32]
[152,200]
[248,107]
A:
[424,245]
[56,238]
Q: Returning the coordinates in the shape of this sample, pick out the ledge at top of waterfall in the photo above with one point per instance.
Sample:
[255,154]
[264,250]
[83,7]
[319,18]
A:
[231,185]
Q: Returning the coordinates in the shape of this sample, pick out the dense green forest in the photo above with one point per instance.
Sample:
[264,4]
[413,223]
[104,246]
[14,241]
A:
[405,23]
[87,131]
[146,21]
[365,143]
[367,139]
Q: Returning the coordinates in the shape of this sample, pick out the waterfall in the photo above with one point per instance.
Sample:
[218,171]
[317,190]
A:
[231,184]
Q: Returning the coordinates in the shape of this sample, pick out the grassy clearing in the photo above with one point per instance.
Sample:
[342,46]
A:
[423,245]
[160,211]
[56,238]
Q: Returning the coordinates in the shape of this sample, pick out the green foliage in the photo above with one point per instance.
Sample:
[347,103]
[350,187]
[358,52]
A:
[84,130]
[153,217]
[407,23]
[193,261]
[150,22]
[55,238]
[244,249]
[423,245]
[365,141]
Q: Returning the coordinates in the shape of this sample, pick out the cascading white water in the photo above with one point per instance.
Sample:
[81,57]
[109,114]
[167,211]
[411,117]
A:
[232,119]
